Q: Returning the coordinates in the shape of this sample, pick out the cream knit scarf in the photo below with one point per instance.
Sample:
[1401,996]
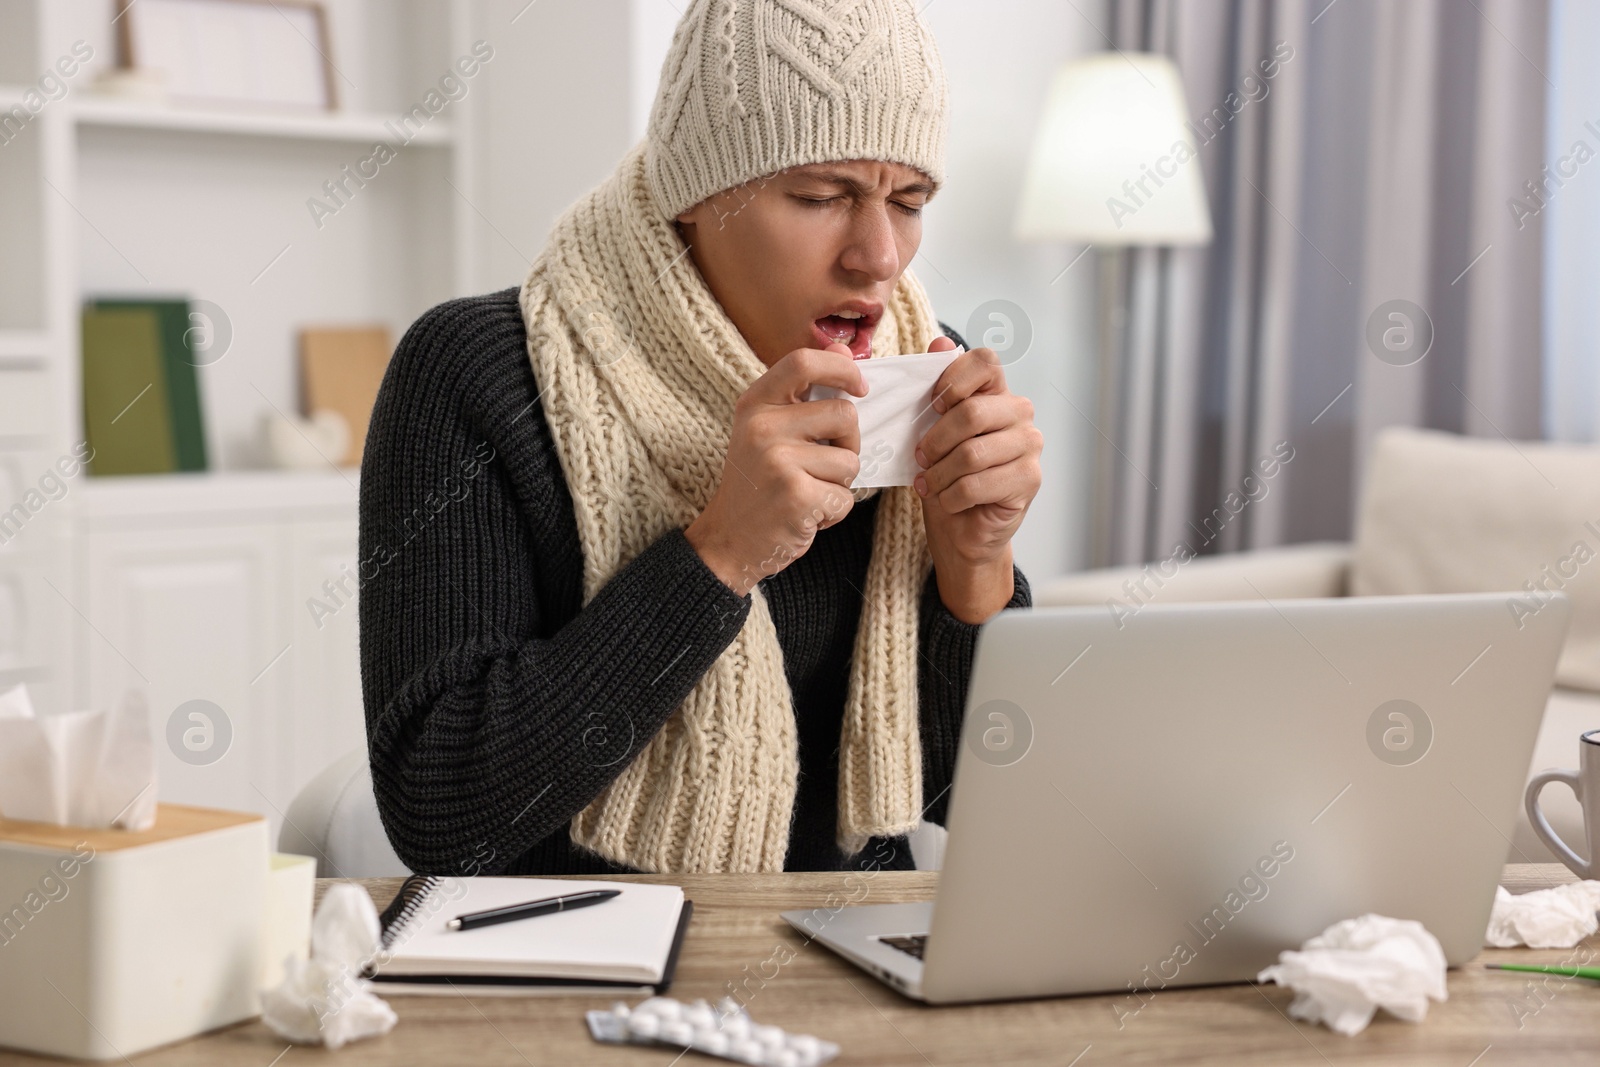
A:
[638,368]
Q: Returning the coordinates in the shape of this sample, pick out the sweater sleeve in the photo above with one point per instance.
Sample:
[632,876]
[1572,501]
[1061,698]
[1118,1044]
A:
[943,676]
[497,705]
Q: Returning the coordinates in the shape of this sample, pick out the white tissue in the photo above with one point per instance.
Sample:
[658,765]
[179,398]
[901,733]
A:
[896,413]
[324,1000]
[1547,918]
[1351,969]
[345,929]
[323,1004]
[85,768]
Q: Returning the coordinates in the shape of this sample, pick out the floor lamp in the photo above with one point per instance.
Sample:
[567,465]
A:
[1113,166]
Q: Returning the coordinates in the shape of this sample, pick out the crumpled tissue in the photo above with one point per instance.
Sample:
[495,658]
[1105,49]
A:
[84,768]
[896,413]
[1345,974]
[324,1000]
[1547,918]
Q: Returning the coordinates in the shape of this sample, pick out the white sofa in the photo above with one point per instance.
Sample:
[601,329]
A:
[1440,514]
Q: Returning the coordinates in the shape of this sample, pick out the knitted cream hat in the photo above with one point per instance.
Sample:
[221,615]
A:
[751,87]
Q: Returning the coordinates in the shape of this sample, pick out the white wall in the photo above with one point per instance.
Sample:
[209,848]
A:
[1572,227]
[653,22]
[553,121]
[998,56]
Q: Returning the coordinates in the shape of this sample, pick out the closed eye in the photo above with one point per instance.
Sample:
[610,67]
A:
[911,210]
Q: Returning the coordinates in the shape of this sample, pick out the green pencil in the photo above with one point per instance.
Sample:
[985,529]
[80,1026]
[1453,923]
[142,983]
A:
[1568,972]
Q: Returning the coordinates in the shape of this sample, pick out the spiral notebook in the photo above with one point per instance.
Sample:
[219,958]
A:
[628,945]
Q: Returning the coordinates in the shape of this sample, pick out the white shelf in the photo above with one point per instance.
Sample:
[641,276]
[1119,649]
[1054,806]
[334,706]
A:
[24,346]
[336,126]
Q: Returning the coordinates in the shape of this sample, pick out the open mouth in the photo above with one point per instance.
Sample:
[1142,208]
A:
[851,325]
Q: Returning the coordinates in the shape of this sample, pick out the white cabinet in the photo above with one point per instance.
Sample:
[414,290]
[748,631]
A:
[26,612]
[195,590]
[187,615]
[30,603]
[24,551]
[323,662]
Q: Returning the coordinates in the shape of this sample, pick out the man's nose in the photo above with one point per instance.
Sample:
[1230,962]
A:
[873,250]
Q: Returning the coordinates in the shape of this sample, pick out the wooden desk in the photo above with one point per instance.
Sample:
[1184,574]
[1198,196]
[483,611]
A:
[737,937]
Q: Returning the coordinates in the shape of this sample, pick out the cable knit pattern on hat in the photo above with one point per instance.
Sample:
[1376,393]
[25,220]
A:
[639,368]
[750,87]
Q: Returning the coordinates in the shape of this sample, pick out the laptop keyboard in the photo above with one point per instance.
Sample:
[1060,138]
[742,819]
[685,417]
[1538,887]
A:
[911,945]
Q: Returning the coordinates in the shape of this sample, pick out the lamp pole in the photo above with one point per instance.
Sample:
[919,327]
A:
[1108,404]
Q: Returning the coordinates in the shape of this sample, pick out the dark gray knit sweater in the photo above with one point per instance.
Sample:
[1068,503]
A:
[497,705]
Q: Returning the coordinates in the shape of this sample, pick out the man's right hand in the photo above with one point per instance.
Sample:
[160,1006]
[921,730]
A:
[780,484]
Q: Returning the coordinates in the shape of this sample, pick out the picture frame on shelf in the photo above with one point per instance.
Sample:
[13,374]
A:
[266,54]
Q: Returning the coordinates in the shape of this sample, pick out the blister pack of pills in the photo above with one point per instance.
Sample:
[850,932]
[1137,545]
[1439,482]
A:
[726,1031]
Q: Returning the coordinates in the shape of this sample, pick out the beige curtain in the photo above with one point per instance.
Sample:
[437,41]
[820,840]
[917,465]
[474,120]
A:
[1375,164]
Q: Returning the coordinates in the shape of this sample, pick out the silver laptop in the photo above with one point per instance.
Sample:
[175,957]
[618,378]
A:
[1175,800]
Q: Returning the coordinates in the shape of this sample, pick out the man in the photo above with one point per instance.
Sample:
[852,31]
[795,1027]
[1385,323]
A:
[621,610]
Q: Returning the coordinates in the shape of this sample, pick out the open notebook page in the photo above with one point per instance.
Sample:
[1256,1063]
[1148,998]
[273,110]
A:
[628,938]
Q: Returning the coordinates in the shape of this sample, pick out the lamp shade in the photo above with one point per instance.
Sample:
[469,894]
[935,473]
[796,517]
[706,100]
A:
[1112,163]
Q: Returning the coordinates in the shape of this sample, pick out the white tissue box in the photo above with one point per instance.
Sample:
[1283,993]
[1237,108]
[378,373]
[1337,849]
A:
[286,931]
[113,942]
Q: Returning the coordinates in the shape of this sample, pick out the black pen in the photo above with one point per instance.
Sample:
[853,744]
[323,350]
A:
[547,906]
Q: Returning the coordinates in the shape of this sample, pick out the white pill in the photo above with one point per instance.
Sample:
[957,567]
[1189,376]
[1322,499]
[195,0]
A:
[677,1031]
[714,1043]
[666,1009]
[700,1017]
[644,1025]
[767,1035]
[805,1045]
[746,1050]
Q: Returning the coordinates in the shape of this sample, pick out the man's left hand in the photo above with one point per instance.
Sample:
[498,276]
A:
[980,472]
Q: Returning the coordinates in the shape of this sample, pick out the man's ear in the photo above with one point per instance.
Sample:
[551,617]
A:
[685,223]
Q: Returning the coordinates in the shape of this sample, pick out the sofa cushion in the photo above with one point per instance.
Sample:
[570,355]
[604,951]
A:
[1448,514]
[1291,572]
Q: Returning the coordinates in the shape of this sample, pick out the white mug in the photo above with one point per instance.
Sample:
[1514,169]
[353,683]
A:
[1585,784]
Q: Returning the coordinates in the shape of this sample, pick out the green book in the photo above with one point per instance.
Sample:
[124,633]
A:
[127,413]
[183,390]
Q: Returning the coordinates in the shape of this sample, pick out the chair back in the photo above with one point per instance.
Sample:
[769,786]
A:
[335,819]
